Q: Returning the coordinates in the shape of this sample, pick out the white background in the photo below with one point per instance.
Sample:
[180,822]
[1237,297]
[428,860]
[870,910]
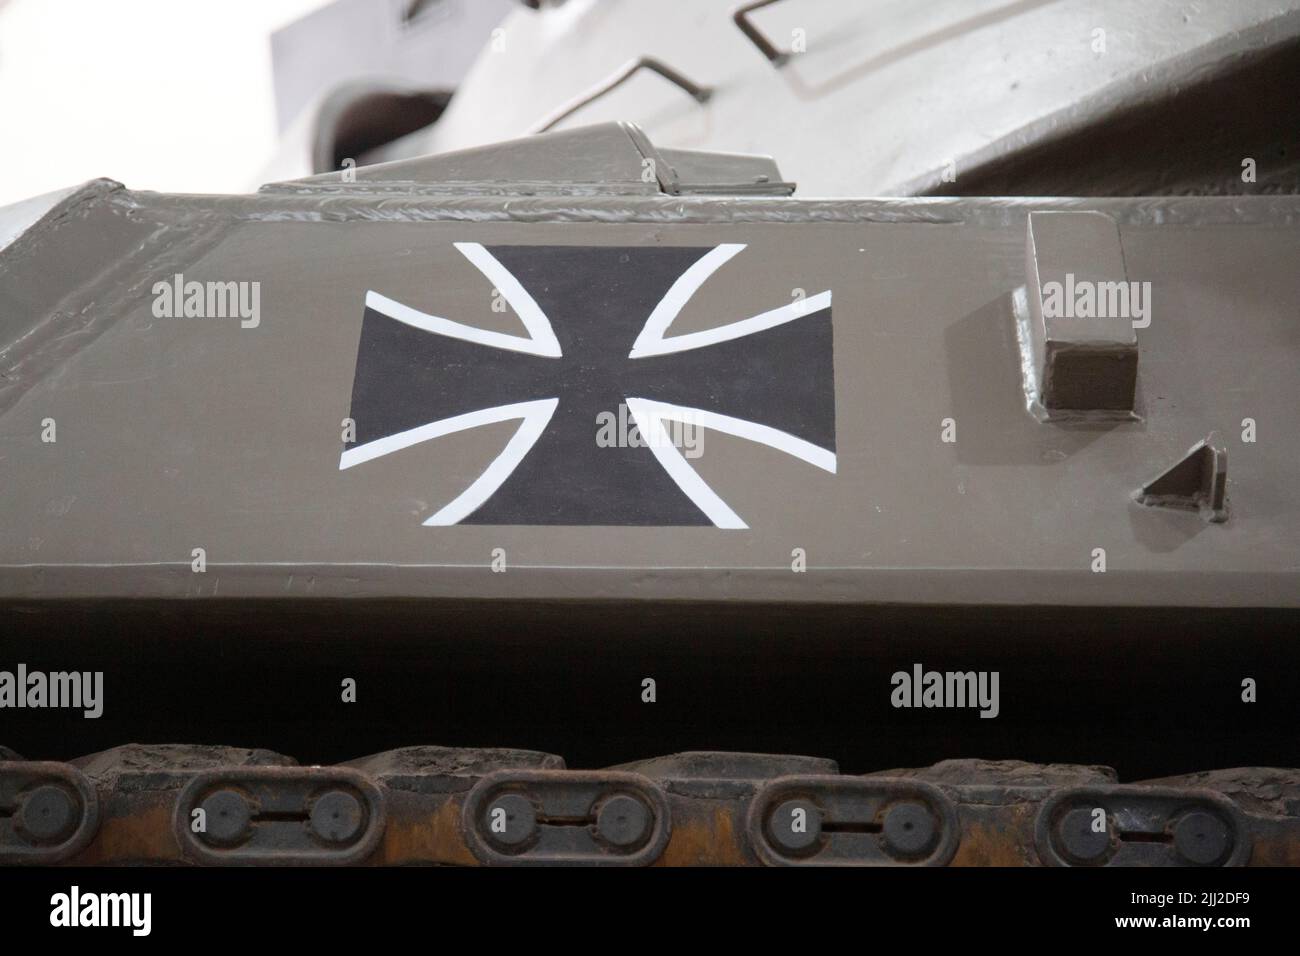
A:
[172,95]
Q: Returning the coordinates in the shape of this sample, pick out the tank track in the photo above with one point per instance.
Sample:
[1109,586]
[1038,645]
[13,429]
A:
[209,805]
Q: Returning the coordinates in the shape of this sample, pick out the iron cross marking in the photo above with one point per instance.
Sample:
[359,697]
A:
[598,335]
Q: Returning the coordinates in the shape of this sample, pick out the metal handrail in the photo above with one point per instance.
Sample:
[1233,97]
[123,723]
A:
[740,16]
[700,93]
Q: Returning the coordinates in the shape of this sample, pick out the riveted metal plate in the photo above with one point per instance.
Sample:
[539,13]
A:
[280,816]
[48,812]
[566,817]
[1143,826]
[851,821]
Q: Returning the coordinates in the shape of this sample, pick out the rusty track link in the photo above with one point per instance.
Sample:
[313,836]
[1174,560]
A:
[204,805]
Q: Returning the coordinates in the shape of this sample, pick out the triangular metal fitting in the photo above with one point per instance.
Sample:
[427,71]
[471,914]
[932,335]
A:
[1198,482]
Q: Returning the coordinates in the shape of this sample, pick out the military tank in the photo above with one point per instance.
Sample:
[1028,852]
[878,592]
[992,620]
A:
[902,528]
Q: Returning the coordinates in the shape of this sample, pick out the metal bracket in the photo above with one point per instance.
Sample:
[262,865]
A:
[740,16]
[414,10]
[700,93]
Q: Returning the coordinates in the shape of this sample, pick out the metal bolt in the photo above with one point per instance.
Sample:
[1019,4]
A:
[796,825]
[336,816]
[908,828]
[48,814]
[1201,838]
[511,819]
[227,816]
[623,820]
[1078,837]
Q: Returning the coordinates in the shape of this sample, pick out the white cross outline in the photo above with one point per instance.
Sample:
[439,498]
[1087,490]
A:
[649,415]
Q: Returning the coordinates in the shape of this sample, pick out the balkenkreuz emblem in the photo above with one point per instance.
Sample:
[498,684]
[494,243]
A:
[598,323]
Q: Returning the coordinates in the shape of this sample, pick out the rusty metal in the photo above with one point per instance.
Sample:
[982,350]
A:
[425,789]
[858,822]
[1141,826]
[571,817]
[437,806]
[48,812]
[279,816]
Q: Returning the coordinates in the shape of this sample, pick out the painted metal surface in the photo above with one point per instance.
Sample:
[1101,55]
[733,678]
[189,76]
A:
[401,396]
[893,97]
[230,434]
